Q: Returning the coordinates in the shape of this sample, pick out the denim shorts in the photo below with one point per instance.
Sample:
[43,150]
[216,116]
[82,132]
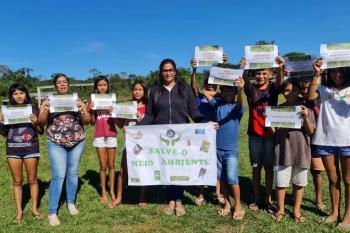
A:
[261,151]
[341,151]
[227,166]
[27,156]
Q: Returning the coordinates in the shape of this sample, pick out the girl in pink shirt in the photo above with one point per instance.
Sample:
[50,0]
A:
[105,140]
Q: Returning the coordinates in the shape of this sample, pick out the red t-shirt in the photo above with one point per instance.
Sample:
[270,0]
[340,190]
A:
[258,99]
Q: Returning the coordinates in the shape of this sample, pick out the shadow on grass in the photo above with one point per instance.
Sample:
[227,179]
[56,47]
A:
[43,185]
[93,178]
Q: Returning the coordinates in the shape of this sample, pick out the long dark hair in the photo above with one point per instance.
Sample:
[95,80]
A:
[181,85]
[166,61]
[98,79]
[345,73]
[145,90]
[296,87]
[16,86]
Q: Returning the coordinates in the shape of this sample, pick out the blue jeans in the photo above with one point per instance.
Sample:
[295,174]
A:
[227,166]
[64,164]
[341,151]
[261,151]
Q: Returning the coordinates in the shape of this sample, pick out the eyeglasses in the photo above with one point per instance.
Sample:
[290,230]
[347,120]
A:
[168,71]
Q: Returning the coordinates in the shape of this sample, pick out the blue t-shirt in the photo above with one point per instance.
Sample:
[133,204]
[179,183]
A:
[228,115]
[207,111]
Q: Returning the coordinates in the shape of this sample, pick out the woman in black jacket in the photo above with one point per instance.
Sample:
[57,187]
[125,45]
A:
[171,102]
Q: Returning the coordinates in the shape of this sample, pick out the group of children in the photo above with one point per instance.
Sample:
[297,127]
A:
[284,153]
[287,154]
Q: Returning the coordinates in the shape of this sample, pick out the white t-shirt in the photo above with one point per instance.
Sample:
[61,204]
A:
[333,124]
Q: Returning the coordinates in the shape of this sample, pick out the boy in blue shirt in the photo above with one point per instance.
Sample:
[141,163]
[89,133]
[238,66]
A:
[229,112]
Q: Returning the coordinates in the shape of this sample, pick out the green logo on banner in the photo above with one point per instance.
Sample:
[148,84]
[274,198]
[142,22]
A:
[170,138]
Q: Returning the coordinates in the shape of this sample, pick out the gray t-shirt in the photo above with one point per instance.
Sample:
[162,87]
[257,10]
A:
[333,123]
[292,146]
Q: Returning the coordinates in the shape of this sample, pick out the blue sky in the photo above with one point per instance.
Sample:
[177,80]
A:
[133,36]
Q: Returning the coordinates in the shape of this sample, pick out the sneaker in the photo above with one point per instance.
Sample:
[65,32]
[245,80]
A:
[53,220]
[72,209]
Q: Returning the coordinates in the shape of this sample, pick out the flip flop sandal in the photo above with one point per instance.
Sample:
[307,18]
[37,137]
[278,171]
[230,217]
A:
[343,226]
[321,207]
[326,220]
[221,200]
[17,221]
[223,212]
[253,206]
[142,204]
[38,216]
[238,215]
[199,201]
[278,216]
[300,219]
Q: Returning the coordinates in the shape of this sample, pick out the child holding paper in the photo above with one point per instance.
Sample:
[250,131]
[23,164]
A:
[332,135]
[22,147]
[105,140]
[139,94]
[228,114]
[209,115]
[316,167]
[292,153]
[261,143]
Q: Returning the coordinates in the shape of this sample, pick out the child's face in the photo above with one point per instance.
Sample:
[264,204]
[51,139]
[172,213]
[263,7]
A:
[210,87]
[262,76]
[228,93]
[19,96]
[102,87]
[138,92]
[289,94]
[336,76]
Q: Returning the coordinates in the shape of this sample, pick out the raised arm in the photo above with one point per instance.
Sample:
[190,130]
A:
[280,71]
[240,86]
[247,82]
[44,112]
[193,77]
[312,93]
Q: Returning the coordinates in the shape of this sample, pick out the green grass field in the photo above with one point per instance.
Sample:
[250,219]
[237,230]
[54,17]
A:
[128,217]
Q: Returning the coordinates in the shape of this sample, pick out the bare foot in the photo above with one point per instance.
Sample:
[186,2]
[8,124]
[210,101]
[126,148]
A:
[114,203]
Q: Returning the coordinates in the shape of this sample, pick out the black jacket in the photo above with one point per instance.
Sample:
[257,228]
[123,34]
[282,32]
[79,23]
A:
[174,107]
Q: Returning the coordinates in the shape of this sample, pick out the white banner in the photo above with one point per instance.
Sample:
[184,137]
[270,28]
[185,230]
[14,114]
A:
[16,114]
[177,154]
[125,110]
[224,76]
[283,117]
[63,103]
[335,55]
[298,66]
[261,56]
[208,55]
[103,101]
